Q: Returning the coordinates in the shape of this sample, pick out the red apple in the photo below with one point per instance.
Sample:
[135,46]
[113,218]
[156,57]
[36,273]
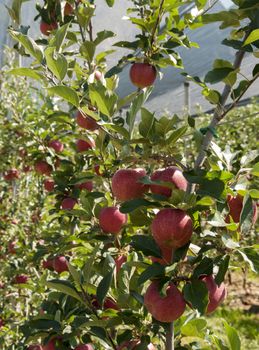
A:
[35,347]
[167,255]
[84,347]
[164,308]
[142,74]
[126,185]
[88,185]
[60,264]
[82,145]
[216,293]
[42,167]
[56,145]
[172,228]
[171,174]
[48,264]
[108,303]
[47,28]
[1,322]
[119,261]
[20,279]
[53,344]
[22,152]
[86,122]
[111,220]
[26,168]
[12,247]
[49,185]
[11,174]
[97,170]
[68,9]
[235,205]
[68,203]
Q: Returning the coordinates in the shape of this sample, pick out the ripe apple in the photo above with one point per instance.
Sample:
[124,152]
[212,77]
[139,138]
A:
[1,322]
[53,344]
[172,228]
[60,264]
[56,145]
[171,174]
[126,185]
[88,185]
[97,170]
[235,205]
[108,303]
[68,203]
[20,279]
[48,264]
[46,28]
[86,122]
[26,168]
[49,185]
[84,347]
[142,74]
[167,255]
[22,152]
[35,347]
[68,9]
[82,145]
[216,293]
[12,247]
[164,308]
[111,220]
[11,174]
[42,167]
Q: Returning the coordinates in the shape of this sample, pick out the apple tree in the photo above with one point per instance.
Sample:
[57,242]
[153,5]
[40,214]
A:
[123,238]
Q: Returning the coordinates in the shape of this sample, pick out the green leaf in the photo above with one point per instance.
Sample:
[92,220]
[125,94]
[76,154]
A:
[223,268]
[29,44]
[58,40]
[104,287]
[196,293]
[252,37]
[45,324]
[255,170]
[146,245]
[151,271]
[233,338]
[254,193]
[26,72]
[251,256]
[176,135]
[205,267]
[194,328]
[247,213]
[56,63]
[217,75]
[103,35]
[106,100]
[213,96]
[213,188]
[129,206]
[110,3]
[146,126]
[66,93]
[87,50]
[65,287]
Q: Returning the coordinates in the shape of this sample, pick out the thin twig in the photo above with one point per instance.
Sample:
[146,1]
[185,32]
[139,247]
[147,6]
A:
[169,338]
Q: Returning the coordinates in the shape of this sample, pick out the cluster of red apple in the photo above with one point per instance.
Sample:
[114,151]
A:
[54,344]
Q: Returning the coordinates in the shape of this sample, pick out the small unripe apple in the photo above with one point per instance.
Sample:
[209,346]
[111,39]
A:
[60,264]
[68,203]
[56,145]
[216,293]
[20,279]
[82,145]
[111,220]
[142,74]
[164,309]
[47,28]
[84,347]
[35,347]
[42,167]
[126,185]
[167,255]
[171,174]
[86,122]
[49,185]
[235,205]
[11,174]
[172,228]
[88,185]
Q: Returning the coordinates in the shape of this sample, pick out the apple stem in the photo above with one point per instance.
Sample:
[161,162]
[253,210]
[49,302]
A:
[169,342]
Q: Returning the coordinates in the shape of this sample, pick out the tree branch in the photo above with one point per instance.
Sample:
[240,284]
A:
[169,342]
